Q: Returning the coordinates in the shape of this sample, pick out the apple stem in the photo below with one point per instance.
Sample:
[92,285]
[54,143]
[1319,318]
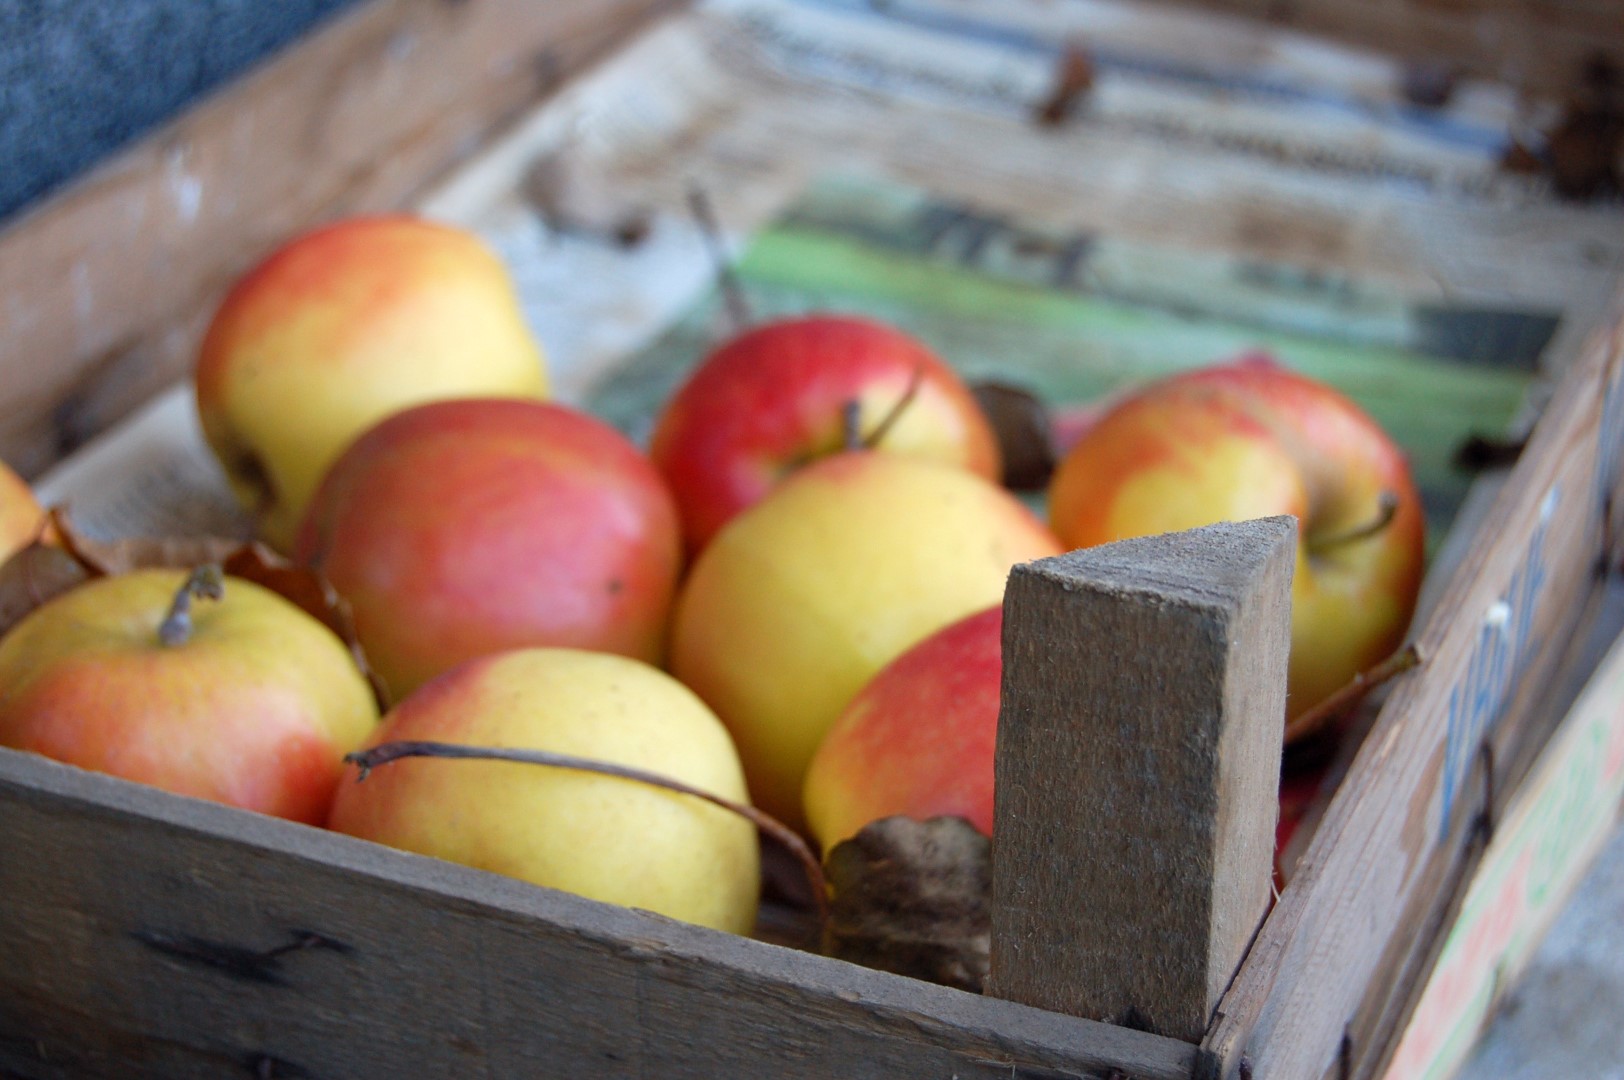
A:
[385,753]
[890,420]
[727,278]
[851,435]
[1355,691]
[1386,511]
[207,582]
[851,418]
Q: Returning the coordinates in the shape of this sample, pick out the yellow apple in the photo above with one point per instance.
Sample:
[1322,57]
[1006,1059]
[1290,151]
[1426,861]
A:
[803,597]
[608,838]
[254,704]
[20,513]
[340,328]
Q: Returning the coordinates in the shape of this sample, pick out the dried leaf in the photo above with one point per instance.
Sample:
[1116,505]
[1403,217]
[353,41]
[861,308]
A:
[1074,78]
[913,897]
[1429,84]
[1022,425]
[573,196]
[34,575]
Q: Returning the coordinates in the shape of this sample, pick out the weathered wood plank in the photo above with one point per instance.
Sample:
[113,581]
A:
[135,928]
[1389,855]
[1539,46]
[1138,771]
[1556,823]
[105,289]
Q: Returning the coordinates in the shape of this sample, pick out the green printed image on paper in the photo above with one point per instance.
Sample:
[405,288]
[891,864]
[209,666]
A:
[1075,317]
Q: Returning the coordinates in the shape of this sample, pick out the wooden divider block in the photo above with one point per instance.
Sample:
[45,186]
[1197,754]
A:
[1138,771]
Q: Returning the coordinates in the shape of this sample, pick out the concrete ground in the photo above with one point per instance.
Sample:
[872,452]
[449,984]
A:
[1564,1018]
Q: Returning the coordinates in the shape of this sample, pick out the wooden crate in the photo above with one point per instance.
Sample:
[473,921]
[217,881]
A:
[147,935]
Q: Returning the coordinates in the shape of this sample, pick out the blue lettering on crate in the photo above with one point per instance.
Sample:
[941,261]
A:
[1504,644]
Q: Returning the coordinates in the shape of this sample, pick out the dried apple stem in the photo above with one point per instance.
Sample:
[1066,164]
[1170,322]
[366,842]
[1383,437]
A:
[883,428]
[1357,689]
[367,760]
[1386,510]
[738,308]
[851,435]
[207,582]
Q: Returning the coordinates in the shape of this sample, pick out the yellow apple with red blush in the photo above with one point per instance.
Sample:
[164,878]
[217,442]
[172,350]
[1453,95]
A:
[337,329]
[1250,439]
[239,697]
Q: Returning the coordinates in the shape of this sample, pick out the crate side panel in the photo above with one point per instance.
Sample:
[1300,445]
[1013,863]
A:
[143,934]
[1400,834]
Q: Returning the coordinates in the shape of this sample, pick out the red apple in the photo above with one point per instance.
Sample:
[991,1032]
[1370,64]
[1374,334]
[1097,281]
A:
[775,397]
[253,704]
[1252,439]
[461,528]
[800,600]
[341,327]
[918,740]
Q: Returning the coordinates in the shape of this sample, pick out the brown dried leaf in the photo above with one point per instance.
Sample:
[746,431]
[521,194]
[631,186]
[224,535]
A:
[34,575]
[104,557]
[1074,78]
[913,897]
[1022,425]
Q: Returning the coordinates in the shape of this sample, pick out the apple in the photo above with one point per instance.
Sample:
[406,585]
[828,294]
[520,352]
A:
[339,328]
[245,699]
[20,514]
[920,740]
[459,528]
[1251,439]
[917,740]
[775,397]
[800,600]
[607,838]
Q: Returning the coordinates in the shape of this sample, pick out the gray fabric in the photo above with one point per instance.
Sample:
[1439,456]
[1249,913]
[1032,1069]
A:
[80,78]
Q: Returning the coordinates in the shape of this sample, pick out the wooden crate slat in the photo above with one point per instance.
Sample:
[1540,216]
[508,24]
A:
[105,290]
[1384,854]
[1536,45]
[129,919]
[1139,747]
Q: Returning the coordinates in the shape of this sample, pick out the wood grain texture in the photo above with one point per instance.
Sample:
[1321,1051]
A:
[1539,46]
[1404,829]
[137,932]
[1138,771]
[106,289]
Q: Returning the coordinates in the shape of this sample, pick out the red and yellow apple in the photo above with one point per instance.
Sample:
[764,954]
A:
[1251,439]
[776,397]
[917,740]
[604,837]
[336,330]
[796,604]
[254,703]
[20,514]
[466,527]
